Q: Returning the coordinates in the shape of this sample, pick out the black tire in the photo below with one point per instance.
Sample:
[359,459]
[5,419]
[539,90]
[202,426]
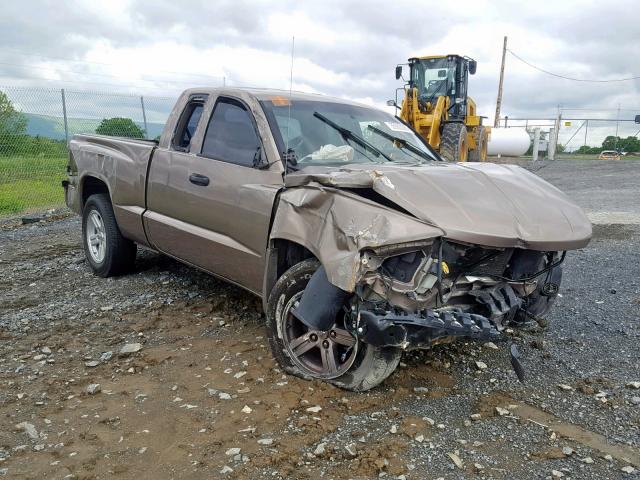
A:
[453,142]
[371,365]
[119,254]
[479,154]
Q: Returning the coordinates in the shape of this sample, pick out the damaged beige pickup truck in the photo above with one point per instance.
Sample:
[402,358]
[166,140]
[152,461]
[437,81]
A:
[360,240]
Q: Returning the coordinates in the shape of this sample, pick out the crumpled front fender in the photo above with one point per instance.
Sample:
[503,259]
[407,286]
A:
[336,225]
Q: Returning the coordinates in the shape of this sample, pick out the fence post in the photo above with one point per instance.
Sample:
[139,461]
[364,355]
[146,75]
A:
[144,116]
[551,144]
[536,143]
[64,116]
[617,123]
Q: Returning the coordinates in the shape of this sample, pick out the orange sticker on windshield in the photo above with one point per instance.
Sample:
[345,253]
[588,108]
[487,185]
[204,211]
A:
[280,101]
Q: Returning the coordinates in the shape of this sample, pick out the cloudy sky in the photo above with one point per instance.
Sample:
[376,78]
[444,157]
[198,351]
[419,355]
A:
[343,48]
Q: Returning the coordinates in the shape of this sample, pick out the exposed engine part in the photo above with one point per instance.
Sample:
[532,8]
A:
[403,267]
[525,263]
[548,282]
[320,302]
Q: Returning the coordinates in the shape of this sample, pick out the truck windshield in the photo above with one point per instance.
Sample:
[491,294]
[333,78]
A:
[331,133]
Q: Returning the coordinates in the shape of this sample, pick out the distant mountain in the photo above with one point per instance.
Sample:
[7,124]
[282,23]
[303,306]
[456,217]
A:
[53,127]
[43,126]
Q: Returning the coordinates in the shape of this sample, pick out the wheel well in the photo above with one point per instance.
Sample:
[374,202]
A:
[289,254]
[91,186]
[282,255]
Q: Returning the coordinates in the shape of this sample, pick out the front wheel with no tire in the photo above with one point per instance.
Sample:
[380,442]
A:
[335,355]
[107,251]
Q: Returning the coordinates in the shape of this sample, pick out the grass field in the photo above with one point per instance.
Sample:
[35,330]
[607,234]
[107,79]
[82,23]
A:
[30,183]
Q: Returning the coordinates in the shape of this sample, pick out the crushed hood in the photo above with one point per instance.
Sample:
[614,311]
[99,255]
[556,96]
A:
[481,203]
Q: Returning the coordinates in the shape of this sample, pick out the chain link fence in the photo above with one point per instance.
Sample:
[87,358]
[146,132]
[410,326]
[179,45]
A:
[36,124]
[584,137]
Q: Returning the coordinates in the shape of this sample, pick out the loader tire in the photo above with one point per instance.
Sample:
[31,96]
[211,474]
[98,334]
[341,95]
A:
[108,252]
[453,143]
[357,368]
[479,154]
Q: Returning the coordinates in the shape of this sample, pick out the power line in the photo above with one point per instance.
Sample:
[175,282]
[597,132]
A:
[599,109]
[571,78]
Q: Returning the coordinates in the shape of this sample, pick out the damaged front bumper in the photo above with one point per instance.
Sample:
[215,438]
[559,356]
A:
[410,331]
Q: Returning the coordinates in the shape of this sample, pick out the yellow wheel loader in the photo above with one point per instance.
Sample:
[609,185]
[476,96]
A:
[436,105]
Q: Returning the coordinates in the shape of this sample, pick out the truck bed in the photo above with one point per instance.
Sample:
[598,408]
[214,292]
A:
[120,163]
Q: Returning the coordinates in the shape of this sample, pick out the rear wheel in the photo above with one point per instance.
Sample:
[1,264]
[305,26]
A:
[453,144]
[107,251]
[479,154]
[335,355]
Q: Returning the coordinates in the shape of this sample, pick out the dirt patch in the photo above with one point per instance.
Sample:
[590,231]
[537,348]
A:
[181,405]
[490,406]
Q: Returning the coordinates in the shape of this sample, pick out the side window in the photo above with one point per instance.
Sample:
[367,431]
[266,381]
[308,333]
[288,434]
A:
[187,125]
[231,136]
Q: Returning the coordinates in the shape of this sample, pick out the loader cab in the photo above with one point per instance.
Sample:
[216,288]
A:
[442,76]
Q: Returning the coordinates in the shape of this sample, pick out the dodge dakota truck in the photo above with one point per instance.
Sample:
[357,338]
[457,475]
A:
[360,240]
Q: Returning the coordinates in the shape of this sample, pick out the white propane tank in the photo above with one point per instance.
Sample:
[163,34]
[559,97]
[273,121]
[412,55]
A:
[510,142]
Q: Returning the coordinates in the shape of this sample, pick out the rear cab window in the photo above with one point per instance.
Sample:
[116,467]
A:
[231,134]
[188,123]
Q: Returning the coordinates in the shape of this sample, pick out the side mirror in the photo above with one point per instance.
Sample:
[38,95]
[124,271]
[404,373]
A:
[637,118]
[398,72]
[259,161]
[472,67]
[391,103]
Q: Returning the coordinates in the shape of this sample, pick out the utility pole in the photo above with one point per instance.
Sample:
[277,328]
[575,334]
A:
[496,121]
[551,154]
[586,128]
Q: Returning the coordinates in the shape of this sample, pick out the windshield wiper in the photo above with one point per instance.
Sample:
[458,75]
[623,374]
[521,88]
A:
[349,135]
[402,142]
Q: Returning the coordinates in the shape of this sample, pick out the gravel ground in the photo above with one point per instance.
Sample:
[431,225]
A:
[200,382]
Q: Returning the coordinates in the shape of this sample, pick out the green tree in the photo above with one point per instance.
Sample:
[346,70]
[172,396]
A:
[611,143]
[13,126]
[12,122]
[629,144]
[119,127]
[586,149]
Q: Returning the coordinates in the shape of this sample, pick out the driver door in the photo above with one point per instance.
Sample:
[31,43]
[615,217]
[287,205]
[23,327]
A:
[216,204]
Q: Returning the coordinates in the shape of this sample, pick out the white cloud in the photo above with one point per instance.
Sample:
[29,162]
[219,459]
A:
[343,48]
